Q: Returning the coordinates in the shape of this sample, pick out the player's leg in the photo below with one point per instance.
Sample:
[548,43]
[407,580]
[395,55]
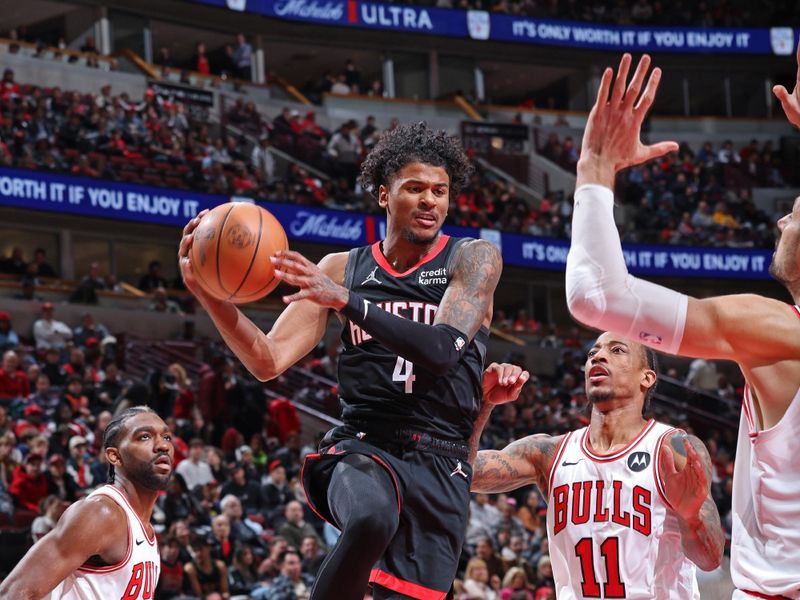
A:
[363,499]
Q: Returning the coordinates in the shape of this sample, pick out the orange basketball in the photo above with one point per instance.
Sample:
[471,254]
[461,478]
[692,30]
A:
[231,249]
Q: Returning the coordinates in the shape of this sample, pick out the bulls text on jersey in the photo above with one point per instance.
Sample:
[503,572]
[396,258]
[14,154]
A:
[421,312]
[585,501]
[141,586]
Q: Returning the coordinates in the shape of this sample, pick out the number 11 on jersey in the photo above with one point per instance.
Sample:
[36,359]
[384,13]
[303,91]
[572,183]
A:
[404,371]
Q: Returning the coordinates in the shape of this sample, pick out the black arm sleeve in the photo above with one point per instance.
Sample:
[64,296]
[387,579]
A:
[435,348]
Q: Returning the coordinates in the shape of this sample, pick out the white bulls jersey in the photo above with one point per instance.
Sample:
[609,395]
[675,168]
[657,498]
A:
[611,532]
[134,578]
[765,548]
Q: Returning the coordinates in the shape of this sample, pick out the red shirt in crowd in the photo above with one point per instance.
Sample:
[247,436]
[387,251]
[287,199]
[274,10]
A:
[27,491]
[13,385]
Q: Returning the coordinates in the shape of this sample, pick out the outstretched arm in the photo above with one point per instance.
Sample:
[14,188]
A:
[466,305]
[749,329]
[685,468]
[520,463]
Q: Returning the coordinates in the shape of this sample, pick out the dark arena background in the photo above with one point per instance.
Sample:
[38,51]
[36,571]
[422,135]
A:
[121,120]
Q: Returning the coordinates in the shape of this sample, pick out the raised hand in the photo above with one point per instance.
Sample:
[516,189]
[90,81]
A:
[612,139]
[295,269]
[791,102]
[502,383]
[184,260]
[686,488]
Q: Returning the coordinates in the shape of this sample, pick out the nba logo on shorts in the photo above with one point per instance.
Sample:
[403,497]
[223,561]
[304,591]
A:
[238,5]
[478,24]
[782,40]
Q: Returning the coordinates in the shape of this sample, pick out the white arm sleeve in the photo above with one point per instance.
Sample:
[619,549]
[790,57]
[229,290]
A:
[600,291]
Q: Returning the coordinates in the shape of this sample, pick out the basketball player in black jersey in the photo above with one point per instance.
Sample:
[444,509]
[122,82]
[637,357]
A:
[415,310]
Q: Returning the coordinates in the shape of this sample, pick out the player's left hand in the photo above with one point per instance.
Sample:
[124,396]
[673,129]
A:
[295,269]
[502,383]
[685,489]
[791,102]
[611,140]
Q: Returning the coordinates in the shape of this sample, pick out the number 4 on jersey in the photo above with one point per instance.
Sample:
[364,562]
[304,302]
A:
[404,371]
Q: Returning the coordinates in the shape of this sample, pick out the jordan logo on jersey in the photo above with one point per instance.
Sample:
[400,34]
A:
[142,582]
[371,278]
[588,500]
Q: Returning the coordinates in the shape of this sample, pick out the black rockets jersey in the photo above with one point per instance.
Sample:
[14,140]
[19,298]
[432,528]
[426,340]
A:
[378,388]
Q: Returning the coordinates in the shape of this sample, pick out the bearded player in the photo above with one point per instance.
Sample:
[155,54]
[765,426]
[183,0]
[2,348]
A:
[104,546]
[629,509]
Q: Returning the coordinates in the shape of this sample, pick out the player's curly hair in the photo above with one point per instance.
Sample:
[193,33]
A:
[414,142]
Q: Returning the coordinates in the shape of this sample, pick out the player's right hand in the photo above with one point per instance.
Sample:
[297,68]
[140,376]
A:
[791,102]
[502,383]
[184,260]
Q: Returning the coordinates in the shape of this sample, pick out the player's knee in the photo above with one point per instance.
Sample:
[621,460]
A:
[378,523]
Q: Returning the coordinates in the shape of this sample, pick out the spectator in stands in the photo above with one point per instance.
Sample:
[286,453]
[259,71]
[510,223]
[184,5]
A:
[200,60]
[345,147]
[193,469]
[276,492]
[160,302]
[52,509]
[43,268]
[291,584]
[88,329]
[296,528]
[164,58]
[171,577]
[340,86]
[484,550]
[223,546]
[153,279]
[8,337]
[248,492]
[208,578]
[14,264]
[312,555]
[78,467]
[89,45]
[243,574]
[43,396]
[243,530]
[243,57]
[29,486]
[87,288]
[352,76]
[13,380]
[476,581]
[49,333]
[53,368]
[261,159]
[59,483]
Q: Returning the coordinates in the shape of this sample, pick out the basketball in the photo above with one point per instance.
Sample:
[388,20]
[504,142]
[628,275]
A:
[231,249]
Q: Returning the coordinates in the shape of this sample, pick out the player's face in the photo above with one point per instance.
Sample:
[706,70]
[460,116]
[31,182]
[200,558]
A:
[615,369]
[146,454]
[785,265]
[416,202]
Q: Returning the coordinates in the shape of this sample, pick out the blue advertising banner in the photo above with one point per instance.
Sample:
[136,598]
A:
[483,25]
[161,206]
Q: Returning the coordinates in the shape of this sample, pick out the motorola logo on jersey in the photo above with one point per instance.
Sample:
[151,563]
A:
[638,461]
[596,501]
[420,312]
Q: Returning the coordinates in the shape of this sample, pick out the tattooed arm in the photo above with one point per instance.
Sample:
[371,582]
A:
[686,472]
[467,303]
